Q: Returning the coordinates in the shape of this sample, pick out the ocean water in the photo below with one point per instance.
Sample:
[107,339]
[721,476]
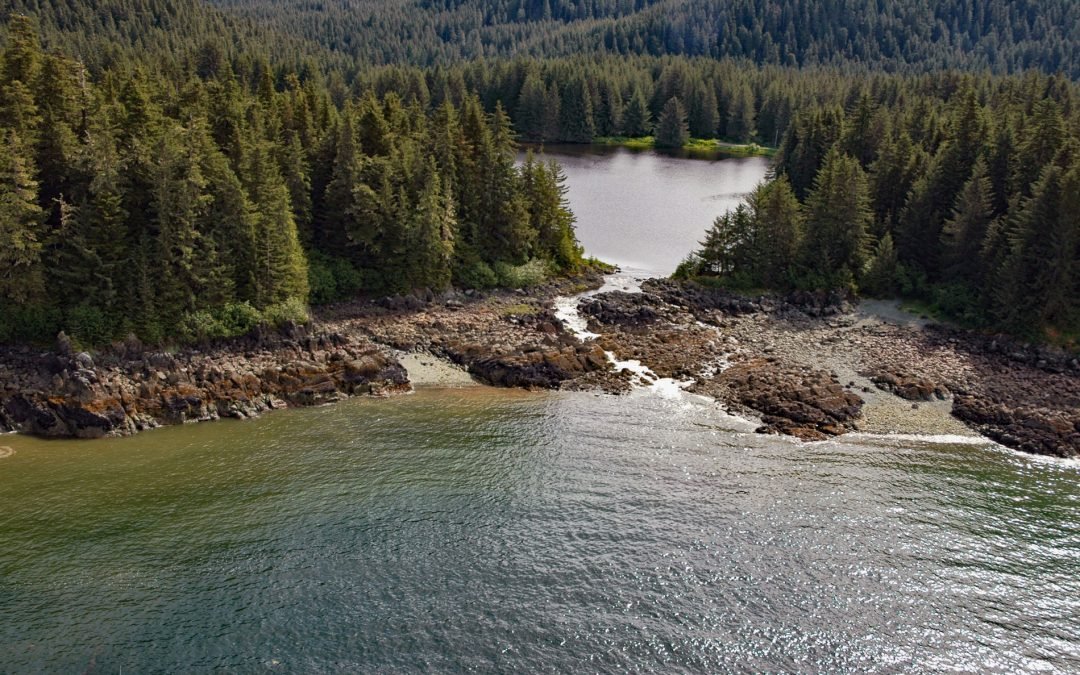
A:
[487,530]
[475,529]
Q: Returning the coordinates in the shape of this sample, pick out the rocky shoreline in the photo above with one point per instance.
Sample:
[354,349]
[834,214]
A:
[123,391]
[811,366]
[819,365]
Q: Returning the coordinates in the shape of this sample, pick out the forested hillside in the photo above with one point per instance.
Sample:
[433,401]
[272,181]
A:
[997,35]
[341,35]
[176,169]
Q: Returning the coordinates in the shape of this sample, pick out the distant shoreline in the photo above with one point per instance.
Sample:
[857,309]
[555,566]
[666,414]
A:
[695,148]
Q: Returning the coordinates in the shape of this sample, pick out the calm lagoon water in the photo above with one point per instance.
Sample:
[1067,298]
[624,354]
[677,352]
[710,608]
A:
[645,210]
[502,531]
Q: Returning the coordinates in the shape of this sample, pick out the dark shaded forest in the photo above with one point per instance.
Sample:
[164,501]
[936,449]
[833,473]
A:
[997,35]
[346,36]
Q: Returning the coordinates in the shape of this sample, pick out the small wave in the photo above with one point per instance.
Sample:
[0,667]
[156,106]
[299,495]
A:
[664,387]
[6,451]
[1045,460]
[944,439]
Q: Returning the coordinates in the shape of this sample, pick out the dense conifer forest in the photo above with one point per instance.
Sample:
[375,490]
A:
[960,192]
[176,170]
[199,207]
[998,35]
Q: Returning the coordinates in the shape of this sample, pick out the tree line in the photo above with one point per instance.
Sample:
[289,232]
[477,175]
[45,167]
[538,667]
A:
[1001,36]
[199,207]
[957,191]
[362,150]
[342,39]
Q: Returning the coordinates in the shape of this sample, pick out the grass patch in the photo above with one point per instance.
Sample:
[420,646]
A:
[519,309]
[595,264]
[638,143]
[695,147]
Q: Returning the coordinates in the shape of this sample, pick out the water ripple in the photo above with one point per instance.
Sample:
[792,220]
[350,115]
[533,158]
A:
[471,530]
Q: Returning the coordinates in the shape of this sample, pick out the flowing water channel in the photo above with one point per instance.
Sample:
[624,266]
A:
[474,529]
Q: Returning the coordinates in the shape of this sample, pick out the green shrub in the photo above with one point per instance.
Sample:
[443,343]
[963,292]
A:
[521,276]
[689,267]
[199,326]
[29,324]
[348,279]
[150,332]
[88,325]
[333,279]
[959,302]
[238,318]
[293,310]
[912,282]
[477,275]
[321,280]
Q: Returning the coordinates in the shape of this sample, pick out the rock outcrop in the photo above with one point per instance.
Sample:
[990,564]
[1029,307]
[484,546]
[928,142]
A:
[60,395]
[908,386]
[792,399]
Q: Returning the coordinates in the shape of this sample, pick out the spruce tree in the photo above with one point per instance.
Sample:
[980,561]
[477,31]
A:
[637,119]
[880,278]
[576,113]
[531,117]
[672,130]
[778,231]
[726,250]
[280,267]
[963,234]
[22,57]
[838,217]
[608,109]
[544,189]
[740,123]
[22,278]
[704,115]
[431,236]
[552,114]
[337,216]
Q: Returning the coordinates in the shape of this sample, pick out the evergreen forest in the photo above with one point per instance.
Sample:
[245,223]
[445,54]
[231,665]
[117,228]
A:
[201,207]
[180,170]
[958,192]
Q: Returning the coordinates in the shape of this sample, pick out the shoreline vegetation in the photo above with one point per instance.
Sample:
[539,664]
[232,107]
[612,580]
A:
[694,147]
[192,201]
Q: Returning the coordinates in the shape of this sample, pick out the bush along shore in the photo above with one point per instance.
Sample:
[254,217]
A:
[810,365]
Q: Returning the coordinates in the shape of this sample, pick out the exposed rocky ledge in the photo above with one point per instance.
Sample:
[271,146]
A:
[809,365]
[503,338]
[126,389]
[1026,397]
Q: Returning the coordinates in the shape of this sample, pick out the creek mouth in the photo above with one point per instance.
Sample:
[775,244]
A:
[640,375]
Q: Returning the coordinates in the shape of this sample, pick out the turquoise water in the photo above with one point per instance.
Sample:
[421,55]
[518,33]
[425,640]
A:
[478,529]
